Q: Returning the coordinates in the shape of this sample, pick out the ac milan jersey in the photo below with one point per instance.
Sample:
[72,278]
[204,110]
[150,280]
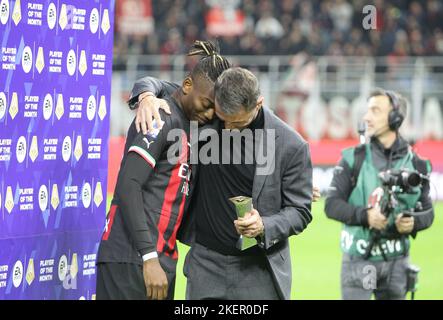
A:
[151,192]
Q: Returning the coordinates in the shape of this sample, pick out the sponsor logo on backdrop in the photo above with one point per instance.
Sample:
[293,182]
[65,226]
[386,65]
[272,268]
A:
[55,200]
[82,64]
[91,107]
[4,11]
[63,17]
[86,195]
[33,150]
[78,150]
[21,149]
[17,274]
[27,59]
[48,106]
[17,12]
[13,107]
[62,268]
[2,105]
[51,15]
[40,60]
[66,148]
[106,25]
[73,270]
[94,20]
[67,274]
[71,62]
[43,197]
[60,107]
[9,199]
[30,272]
[98,194]
[102,108]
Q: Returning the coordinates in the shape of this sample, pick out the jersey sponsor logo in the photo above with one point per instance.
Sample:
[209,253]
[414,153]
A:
[185,173]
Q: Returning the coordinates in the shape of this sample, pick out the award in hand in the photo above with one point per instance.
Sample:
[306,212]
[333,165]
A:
[242,205]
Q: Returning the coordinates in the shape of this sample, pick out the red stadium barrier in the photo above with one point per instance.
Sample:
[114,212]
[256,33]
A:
[323,152]
[116,148]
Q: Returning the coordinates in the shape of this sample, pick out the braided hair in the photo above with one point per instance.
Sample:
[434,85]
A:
[212,64]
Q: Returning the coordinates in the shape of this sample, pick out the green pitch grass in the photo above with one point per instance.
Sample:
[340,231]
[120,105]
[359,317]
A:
[316,259]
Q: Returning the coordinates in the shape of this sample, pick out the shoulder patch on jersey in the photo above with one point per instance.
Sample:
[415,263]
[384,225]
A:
[154,133]
[151,136]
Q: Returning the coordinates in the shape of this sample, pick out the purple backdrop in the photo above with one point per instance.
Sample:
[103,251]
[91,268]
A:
[55,91]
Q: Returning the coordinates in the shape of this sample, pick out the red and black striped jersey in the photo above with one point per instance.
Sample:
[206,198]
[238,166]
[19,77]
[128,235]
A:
[151,194]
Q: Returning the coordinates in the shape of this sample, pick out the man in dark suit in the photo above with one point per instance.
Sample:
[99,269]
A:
[278,178]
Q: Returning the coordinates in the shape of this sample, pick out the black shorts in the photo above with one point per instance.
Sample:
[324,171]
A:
[124,281]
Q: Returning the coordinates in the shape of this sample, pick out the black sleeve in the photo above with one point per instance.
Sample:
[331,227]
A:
[158,87]
[424,217]
[337,206]
[139,165]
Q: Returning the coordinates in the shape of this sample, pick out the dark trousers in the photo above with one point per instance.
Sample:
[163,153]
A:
[212,275]
[360,278]
[124,281]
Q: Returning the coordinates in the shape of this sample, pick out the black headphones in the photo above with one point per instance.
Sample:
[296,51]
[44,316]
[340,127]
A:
[395,117]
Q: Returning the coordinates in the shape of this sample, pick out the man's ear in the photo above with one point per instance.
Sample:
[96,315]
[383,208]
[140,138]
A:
[187,85]
[260,102]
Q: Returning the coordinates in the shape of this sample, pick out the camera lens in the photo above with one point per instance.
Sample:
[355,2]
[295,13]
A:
[411,179]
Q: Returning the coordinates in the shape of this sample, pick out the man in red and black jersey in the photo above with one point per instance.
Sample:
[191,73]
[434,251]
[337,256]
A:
[138,252]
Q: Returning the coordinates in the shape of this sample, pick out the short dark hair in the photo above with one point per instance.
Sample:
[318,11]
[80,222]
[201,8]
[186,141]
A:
[212,64]
[236,88]
[401,101]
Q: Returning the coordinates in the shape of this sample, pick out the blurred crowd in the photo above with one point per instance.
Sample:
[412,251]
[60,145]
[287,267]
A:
[319,27]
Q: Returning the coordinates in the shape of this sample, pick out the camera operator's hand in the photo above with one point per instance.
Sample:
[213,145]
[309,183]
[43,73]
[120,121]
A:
[376,219]
[404,225]
[148,110]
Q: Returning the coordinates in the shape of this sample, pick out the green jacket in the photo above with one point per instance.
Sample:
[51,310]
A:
[347,202]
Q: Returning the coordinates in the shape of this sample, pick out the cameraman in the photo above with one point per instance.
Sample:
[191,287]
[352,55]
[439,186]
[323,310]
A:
[382,269]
